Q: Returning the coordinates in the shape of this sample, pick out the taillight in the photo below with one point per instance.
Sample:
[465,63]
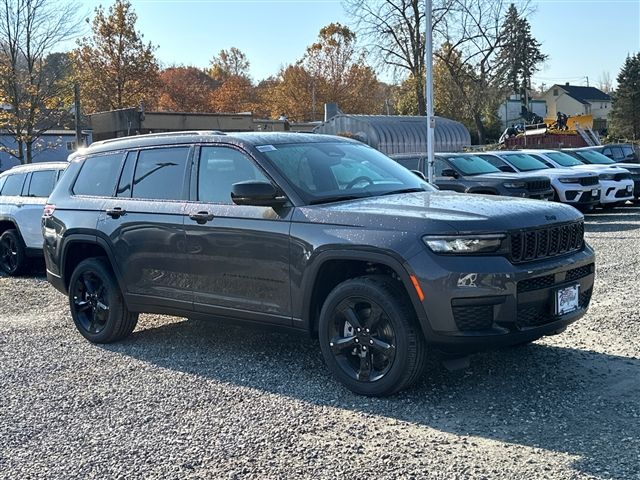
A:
[48,210]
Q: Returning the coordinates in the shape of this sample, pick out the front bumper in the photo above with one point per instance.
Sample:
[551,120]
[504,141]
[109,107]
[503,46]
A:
[476,303]
[614,191]
[578,195]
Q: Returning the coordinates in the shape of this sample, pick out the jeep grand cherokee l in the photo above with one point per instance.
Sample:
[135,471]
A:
[23,194]
[468,173]
[316,233]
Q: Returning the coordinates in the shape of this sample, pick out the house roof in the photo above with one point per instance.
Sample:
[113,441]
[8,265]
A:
[584,94]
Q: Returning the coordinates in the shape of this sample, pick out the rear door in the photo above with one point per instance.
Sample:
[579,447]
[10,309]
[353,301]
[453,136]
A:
[37,188]
[144,223]
[238,254]
[11,195]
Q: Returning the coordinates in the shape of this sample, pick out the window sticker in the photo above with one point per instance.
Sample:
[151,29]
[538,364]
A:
[265,148]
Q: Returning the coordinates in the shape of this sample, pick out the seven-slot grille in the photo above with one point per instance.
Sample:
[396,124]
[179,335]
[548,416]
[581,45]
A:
[542,184]
[586,181]
[546,242]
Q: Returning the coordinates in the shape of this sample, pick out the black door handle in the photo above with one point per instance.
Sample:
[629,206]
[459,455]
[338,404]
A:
[201,217]
[115,212]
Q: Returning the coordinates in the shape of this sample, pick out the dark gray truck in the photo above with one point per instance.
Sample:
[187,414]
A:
[314,233]
[468,173]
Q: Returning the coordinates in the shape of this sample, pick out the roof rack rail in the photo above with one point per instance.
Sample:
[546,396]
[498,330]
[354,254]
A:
[161,134]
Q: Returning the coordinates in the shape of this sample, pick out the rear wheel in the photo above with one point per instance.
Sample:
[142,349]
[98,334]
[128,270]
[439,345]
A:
[12,253]
[370,338]
[96,302]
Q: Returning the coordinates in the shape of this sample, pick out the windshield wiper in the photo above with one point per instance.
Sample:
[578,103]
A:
[339,198]
[404,190]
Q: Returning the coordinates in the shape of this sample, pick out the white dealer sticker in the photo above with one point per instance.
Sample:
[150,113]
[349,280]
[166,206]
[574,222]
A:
[265,148]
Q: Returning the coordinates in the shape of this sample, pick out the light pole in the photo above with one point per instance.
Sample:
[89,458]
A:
[428,62]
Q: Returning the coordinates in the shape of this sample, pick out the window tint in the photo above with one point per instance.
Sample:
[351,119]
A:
[98,175]
[219,169]
[13,185]
[524,162]
[617,153]
[124,185]
[607,152]
[160,173]
[563,159]
[593,157]
[42,183]
[495,161]
[412,163]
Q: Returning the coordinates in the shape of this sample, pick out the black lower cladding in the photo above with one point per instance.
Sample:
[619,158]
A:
[474,315]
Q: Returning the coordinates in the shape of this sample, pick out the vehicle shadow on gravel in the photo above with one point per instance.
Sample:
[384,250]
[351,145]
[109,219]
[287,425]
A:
[565,400]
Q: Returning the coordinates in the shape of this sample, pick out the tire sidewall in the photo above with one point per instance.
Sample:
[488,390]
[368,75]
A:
[101,270]
[20,249]
[393,310]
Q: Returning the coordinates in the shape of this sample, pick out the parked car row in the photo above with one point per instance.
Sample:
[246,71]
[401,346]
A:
[315,233]
[583,178]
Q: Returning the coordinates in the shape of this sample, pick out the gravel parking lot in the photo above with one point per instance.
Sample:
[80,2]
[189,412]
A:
[190,399]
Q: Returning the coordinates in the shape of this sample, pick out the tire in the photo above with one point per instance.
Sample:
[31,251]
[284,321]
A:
[96,303]
[12,253]
[388,353]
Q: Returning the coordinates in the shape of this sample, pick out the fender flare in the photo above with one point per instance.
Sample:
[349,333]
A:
[73,238]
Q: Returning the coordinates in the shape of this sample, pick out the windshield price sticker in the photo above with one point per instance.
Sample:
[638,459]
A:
[265,148]
[567,299]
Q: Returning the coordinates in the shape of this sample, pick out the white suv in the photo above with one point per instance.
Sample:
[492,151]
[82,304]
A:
[616,183]
[576,188]
[23,194]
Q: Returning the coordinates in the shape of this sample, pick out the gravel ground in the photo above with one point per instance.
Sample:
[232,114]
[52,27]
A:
[188,399]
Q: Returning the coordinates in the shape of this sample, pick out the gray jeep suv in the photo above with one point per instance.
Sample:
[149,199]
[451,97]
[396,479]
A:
[314,233]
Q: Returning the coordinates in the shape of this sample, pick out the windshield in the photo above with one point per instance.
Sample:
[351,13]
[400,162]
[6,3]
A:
[472,165]
[589,156]
[325,172]
[563,159]
[524,162]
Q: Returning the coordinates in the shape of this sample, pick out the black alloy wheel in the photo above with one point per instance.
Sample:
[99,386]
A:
[370,337]
[97,306]
[12,253]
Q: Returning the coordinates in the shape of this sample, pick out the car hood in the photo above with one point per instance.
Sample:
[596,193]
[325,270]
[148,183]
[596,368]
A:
[601,168]
[628,166]
[506,176]
[439,212]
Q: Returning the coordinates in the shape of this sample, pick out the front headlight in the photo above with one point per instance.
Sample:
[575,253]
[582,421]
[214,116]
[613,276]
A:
[568,180]
[464,244]
[607,176]
[514,184]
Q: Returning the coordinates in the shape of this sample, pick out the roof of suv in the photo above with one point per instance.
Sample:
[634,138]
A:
[212,136]
[35,166]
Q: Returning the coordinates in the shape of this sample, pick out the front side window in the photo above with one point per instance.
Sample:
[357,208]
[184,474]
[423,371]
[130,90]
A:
[472,165]
[323,172]
[98,175]
[627,151]
[13,185]
[42,183]
[617,154]
[439,166]
[412,163]
[2,179]
[219,168]
[159,173]
[495,161]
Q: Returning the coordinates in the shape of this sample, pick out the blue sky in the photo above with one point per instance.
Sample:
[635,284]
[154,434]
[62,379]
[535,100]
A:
[583,38]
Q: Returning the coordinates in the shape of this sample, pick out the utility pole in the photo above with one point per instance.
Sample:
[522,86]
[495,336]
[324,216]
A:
[428,62]
[76,103]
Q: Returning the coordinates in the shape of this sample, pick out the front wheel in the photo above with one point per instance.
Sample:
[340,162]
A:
[96,302]
[370,338]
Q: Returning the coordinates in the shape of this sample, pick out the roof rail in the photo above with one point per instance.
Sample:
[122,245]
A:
[161,134]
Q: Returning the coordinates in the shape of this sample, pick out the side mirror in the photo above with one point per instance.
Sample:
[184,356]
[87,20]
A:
[419,174]
[449,172]
[257,194]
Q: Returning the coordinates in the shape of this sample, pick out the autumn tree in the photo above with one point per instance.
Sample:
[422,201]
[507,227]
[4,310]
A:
[33,81]
[115,68]
[290,93]
[625,112]
[229,63]
[185,89]
[235,95]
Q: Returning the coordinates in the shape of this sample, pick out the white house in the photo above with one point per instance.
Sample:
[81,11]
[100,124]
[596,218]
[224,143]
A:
[578,100]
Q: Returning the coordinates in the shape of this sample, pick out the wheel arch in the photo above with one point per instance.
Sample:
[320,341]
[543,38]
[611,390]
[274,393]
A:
[78,247]
[352,264]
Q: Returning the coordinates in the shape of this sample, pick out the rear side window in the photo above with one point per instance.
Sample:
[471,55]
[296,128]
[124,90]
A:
[98,176]
[42,183]
[159,173]
[13,185]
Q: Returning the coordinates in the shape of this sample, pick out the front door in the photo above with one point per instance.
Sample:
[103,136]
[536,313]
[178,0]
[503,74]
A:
[238,255]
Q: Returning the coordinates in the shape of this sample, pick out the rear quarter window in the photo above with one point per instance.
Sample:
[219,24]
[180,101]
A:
[98,175]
